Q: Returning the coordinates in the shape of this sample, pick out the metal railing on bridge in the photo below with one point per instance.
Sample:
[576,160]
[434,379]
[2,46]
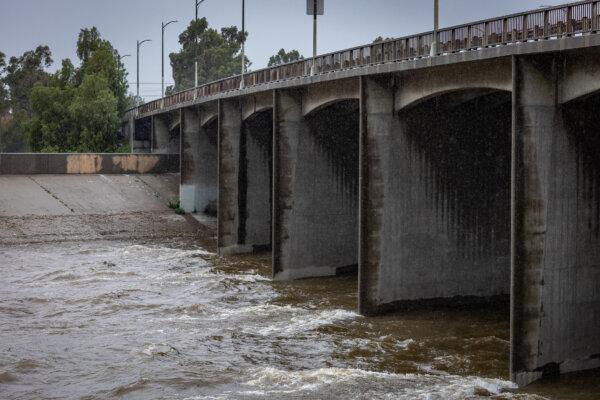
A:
[553,22]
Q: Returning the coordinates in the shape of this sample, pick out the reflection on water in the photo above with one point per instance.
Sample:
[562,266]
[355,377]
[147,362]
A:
[108,319]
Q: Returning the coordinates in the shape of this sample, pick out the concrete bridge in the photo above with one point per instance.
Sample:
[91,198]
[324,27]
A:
[464,176]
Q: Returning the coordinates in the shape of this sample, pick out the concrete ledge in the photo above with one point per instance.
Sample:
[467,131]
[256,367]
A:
[60,163]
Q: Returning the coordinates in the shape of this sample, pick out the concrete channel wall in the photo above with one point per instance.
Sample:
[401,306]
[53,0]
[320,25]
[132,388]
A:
[38,163]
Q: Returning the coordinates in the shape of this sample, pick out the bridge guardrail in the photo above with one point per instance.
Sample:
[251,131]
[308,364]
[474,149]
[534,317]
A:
[565,20]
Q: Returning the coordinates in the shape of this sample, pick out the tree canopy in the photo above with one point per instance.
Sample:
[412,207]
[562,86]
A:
[218,54]
[74,109]
[283,57]
[380,39]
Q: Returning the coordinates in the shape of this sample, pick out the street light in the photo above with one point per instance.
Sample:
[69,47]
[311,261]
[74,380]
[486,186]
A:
[198,2]
[138,64]
[315,8]
[243,43]
[124,55]
[436,27]
[163,56]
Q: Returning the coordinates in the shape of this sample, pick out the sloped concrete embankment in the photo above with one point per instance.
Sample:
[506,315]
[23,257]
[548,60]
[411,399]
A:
[55,208]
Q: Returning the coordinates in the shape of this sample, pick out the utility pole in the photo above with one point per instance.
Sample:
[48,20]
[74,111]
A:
[138,65]
[243,43]
[315,8]
[436,27]
[198,2]
[314,70]
[163,56]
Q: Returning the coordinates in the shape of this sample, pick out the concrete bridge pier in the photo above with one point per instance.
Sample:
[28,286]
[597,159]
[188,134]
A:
[142,136]
[245,175]
[165,133]
[199,160]
[315,185]
[256,180]
[555,319]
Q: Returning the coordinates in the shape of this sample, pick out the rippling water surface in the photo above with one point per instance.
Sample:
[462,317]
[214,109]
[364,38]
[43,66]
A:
[119,320]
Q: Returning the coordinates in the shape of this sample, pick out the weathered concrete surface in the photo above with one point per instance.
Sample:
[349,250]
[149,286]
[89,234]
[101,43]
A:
[555,243]
[85,194]
[442,170]
[230,131]
[47,208]
[315,212]
[199,167]
[245,159]
[142,136]
[38,163]
[421,85]
[323,94]
[166,133]
[190,152]
[256,162]
[257,103]
[581,75]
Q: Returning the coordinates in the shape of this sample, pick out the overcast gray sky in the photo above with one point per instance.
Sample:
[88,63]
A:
[272,24]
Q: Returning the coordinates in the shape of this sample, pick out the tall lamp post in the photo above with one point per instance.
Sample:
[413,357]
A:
[314,8]
[138,64]
[198,2]
[162,82]
[436,27]
[243,43]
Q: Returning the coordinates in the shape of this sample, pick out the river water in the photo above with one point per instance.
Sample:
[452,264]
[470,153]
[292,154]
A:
[98,320]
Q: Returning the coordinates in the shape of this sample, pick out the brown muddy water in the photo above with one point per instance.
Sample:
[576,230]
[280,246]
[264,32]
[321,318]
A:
[117,319]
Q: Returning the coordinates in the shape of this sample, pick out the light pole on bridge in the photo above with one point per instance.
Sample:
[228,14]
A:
[243,44]
[198,2]
[138,65]
[314,8]
[436,27]
[162,82]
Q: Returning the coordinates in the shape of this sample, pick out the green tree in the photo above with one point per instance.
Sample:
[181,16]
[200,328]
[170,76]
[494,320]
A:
[4,99]
[95,114]
[51,128]
[22,74]
[79,109]
[17,79]
[88,41]
[98,56]
[283,57]
[380,39]
[218,53]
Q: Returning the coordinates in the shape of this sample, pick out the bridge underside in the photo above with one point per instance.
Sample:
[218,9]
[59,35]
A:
[316,188]
[485,187]
[439,181]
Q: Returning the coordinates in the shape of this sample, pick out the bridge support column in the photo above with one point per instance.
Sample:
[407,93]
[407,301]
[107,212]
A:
[160,134]
[142,134]
[315,219]
[256,171]
[555,316]
[190,160]
[230,131]
[434,210]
